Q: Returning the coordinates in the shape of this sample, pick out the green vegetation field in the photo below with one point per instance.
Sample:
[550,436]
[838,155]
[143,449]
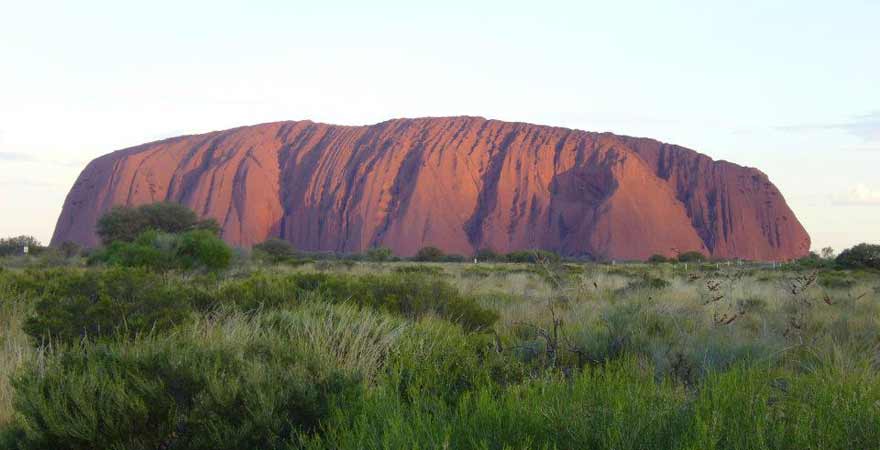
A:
[165,338]
[352,355]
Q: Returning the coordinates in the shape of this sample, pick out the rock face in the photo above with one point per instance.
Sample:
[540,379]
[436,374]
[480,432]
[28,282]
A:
[459,183]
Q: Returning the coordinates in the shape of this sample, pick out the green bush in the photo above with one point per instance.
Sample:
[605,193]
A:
[15,245]
[615,407]
[862,256]
[836,280]
[454,258]
[202,249]
[262,291]
[275,250]
[488,255]
[197,249]
[436,359]
[532,256]
[379,254]
[125,223]
[422,269]
[70,249]
[658,259]
[692,256]
[411,295]
[78,305]
[429,254]
[645,282]
[178,392]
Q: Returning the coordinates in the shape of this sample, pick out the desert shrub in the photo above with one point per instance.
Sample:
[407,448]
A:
[275,250]
[532,256]
[812,261]
[718,419]
[412,295]
[437,359]
[454,258]
[421,269]
[645,282]
[693,256]
[178,392]
[832,406]
[74,305]
[329,265]
[51,257]
[429,254]
[197,249]
[15,245]
[480,271]
[836,280]
[70,249]
[752,305]
[409,295]
[379,254]
[657,259]
[862,256]
[202,249]
[357,340]
[125,223]
[619,406]
[261,291]
[488,255]
[121,224]
[151,249]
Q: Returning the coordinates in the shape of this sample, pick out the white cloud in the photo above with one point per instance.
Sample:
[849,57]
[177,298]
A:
[866,127]
[858,195]
[10,156]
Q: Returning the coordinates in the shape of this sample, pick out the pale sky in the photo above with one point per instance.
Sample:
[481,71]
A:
[790,87]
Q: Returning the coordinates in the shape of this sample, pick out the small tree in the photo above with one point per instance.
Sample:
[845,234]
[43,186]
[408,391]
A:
[658,259]
[275,250]
[429,254]
[812,260]
[201,248]
[862,256]
[827,253]
[121,223]
[126,223]
[693,256]
[162,252]
[488,254]
[70,249]
[533,256]
[379,254]
[15,245]
[168,217]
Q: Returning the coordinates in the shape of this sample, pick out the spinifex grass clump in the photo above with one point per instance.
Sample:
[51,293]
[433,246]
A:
[213,387]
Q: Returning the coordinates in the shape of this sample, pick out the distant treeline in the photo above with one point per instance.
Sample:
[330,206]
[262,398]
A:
[164,234]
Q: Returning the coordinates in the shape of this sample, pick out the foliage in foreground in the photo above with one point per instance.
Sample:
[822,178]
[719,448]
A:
[434,357]
[180,392]
[241,383]
[86,304]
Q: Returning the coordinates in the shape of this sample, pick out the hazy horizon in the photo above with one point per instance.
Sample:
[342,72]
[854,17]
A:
[788,88]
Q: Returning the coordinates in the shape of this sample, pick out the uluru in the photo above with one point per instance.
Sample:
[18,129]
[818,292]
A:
[458,183]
